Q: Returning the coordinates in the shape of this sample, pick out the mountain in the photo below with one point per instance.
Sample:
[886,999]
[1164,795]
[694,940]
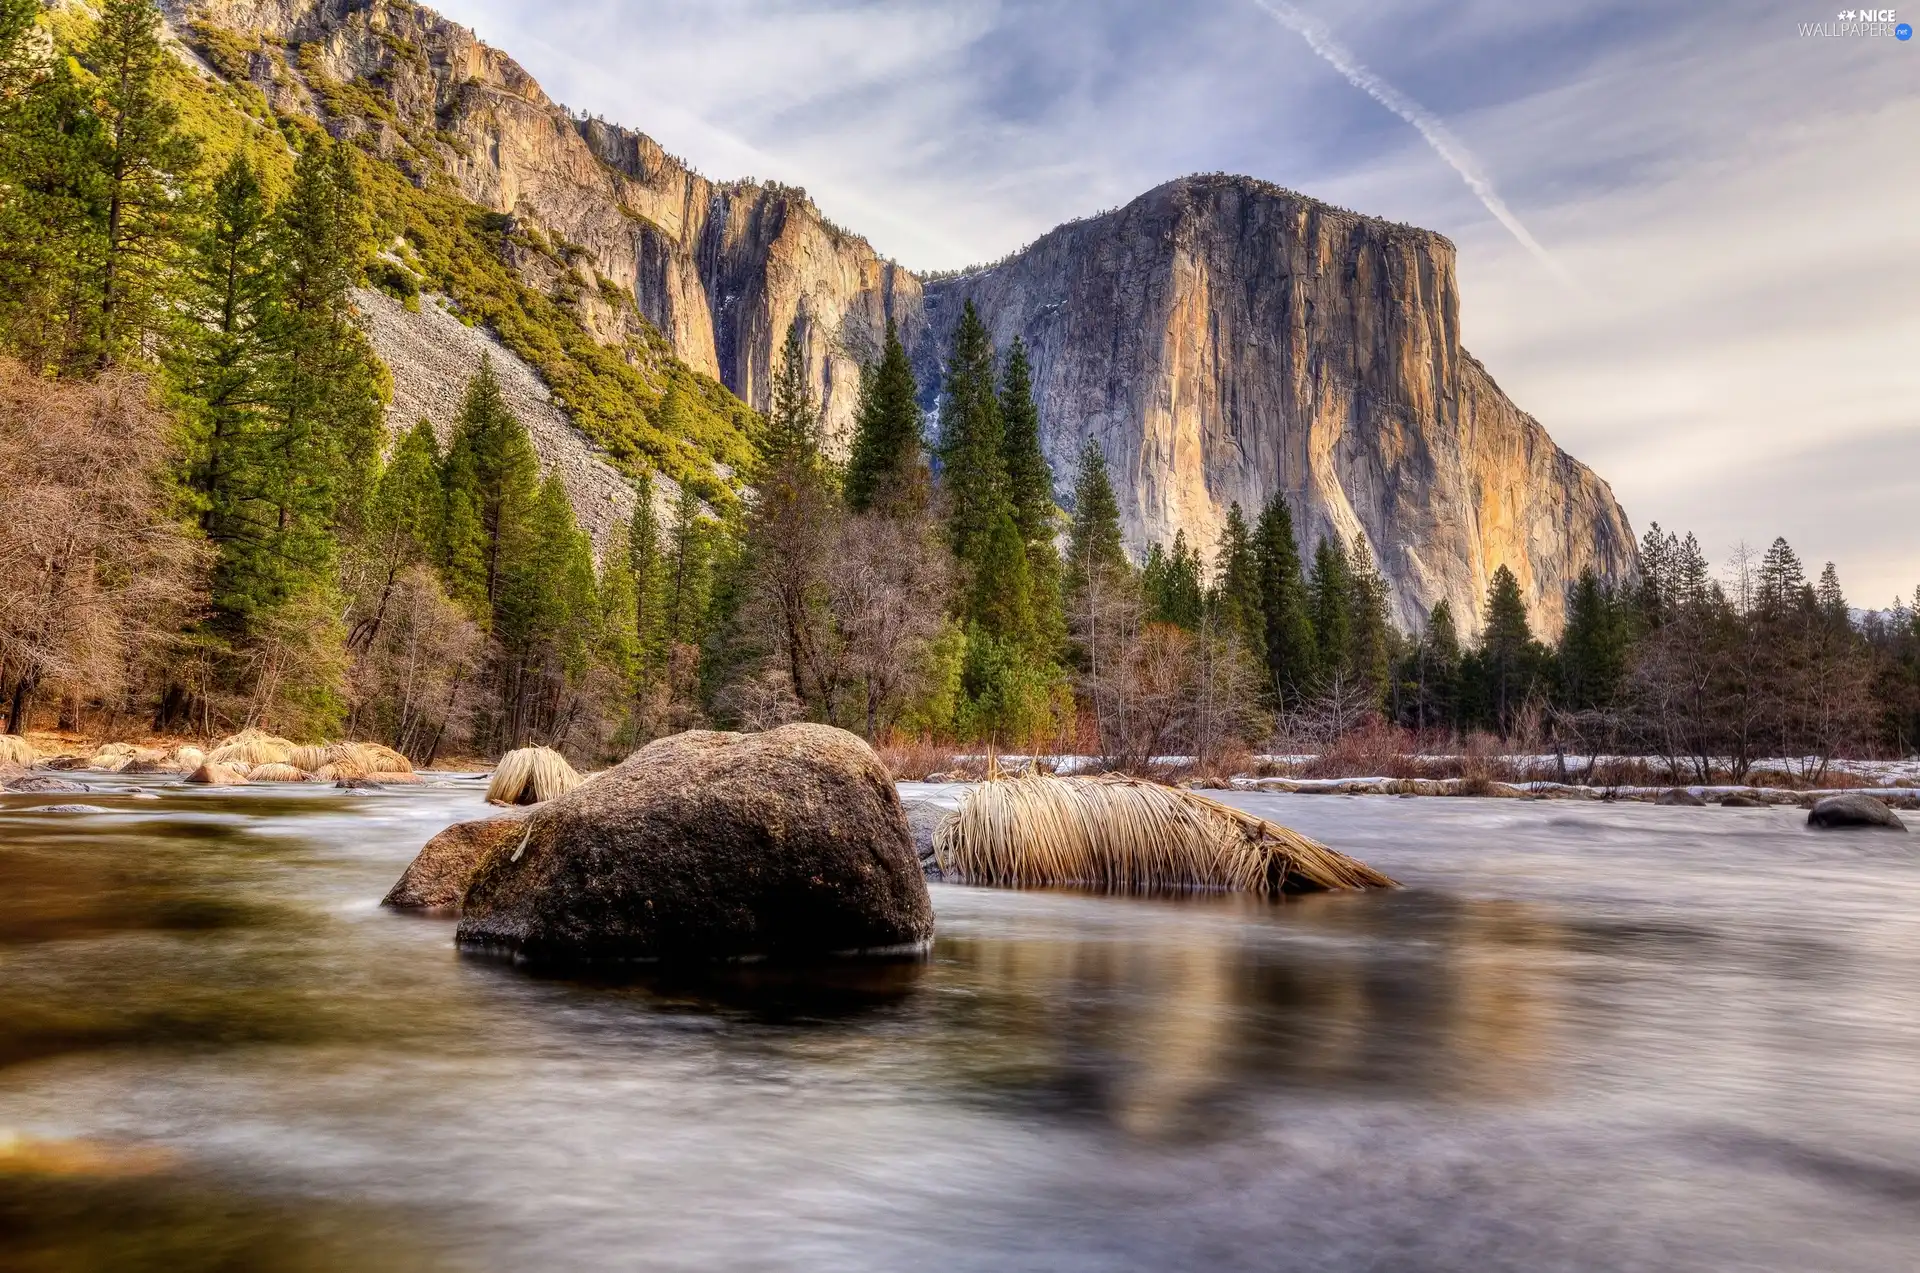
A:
[1222,338]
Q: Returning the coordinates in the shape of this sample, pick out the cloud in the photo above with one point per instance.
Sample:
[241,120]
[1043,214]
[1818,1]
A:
[1430,126]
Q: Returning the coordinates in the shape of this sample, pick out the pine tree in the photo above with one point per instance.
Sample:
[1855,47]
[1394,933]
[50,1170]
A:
[1781,581]
[145,162]
[1094,543]
[218,364]
[1437,671]
[1831,601]
[688,573]
[886,469]
[792,525]
[973,469]
[1171,583]
[307,464]
[491,481]
[1507,649]
[1330,587]
[50,146]
[1292,649]
[1236,589]
[1593,646]
[1030,492]
[402,527]
[1370,643]
[646,565]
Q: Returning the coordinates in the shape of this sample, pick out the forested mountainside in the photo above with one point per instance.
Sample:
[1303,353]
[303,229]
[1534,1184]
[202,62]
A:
[1224,341]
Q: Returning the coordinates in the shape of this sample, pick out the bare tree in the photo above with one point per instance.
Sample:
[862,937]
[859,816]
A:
[95,574]
[887,585]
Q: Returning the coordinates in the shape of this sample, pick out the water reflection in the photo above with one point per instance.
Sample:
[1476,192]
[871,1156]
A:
[1704,1028]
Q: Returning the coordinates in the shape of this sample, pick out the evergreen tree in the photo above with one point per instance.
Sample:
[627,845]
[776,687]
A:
[1654,592]
[1330,587]
[403,527]
[1171,582]
[886,469]
[1292,649]
[144,164]
[1371,634]
[1001,583]
[1236,589]
[1831,601]
[1781,581]
[1437,671]
[1094,543]
[688,573]
[646,566]
[1507,649]
[50,146]
[492,481]
[218,364]
[1030,492]
[1593,646]
[973,470]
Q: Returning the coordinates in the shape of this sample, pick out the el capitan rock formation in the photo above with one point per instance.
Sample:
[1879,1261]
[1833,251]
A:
[1222,338]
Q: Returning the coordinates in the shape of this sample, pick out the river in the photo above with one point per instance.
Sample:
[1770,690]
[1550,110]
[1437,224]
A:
[1582,1037]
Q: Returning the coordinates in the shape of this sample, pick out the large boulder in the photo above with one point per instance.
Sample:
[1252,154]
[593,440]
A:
[711,846]
[438,876]
[216,774]
[1680,797]
[1854,810]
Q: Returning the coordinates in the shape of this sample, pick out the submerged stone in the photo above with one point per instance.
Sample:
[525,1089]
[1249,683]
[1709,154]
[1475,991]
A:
[790,843]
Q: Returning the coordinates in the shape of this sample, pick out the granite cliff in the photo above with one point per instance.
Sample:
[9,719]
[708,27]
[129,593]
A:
[1223,339]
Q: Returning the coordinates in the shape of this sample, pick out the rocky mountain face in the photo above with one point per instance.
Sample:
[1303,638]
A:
[1222,339]
[1225,340]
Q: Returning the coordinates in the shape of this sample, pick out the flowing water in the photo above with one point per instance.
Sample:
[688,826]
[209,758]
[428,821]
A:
[1583,1037]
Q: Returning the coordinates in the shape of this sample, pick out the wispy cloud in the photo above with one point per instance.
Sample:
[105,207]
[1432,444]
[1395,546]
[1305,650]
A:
[1429,125]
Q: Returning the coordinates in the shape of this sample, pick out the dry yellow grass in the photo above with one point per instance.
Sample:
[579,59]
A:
[253,747]
[307,758]
[1126,835]
[277,773]
[531,775]
[16,750]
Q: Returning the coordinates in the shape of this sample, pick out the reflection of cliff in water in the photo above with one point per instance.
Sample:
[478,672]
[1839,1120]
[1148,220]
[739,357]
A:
[1172,1019]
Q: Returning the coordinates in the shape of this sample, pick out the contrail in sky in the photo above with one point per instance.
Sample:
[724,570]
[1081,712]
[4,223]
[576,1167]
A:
[1438,135]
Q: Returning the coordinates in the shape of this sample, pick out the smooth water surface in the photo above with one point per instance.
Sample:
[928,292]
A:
[1583,1036]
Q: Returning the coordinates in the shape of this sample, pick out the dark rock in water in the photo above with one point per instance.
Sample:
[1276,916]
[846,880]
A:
[438,876]
[1836,812]
[1741,802]
[65,764]
[790,843]
[923,817]
[1680,796]
[41,785]
[69,808]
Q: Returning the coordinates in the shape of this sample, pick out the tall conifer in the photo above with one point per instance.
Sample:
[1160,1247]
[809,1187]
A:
[886,469]
[1292,652]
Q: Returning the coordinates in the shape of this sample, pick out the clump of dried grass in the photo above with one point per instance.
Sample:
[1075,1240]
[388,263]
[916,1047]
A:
[253,747]
[277,773]
[1127,835]
[532,775]
[15,750]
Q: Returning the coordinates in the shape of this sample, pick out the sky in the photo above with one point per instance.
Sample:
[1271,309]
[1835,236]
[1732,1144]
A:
[1689,235]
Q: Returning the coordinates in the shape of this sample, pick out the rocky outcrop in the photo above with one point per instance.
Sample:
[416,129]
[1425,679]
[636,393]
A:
[711,846]
[1225,340]
[438,876]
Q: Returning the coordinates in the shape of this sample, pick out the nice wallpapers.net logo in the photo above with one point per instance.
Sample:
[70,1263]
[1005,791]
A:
[1861,23]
